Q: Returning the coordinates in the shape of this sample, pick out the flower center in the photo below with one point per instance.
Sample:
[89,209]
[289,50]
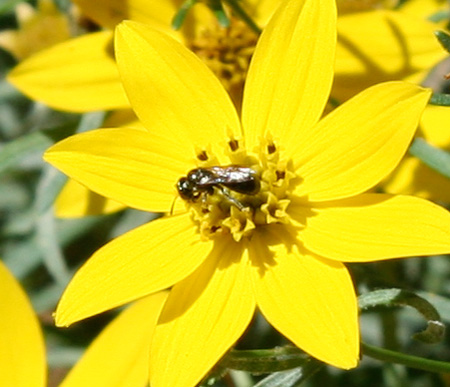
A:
[227,52]
[252,190]
[350,6]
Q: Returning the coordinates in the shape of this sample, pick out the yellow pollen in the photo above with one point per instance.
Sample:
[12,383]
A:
[227,52]
[221,208]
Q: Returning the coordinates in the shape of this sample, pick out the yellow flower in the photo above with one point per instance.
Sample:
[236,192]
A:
[22,354]
[81,75]
[280,249]
[123,347]
[414,177]
[225,253]
[121,351]
[403,47]
[38,29]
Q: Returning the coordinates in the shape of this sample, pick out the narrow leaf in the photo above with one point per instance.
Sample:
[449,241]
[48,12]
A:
[180,16]
[291,378]
[397,297]
[219,13]
[444,39]
[14,152]
[440,99]
[266,360]
[435,158]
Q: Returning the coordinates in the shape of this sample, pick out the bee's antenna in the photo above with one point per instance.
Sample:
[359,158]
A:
[173,205]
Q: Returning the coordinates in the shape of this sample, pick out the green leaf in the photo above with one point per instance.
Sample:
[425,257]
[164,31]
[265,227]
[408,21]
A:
[439,16]
[440,99]
[291,378]
[420,363]
[244,16]
[16,151]
[180,16]
[49,186]
[435,158]
[8,5]
[22,257]
[435,330]
[444,39]
[441,303]
[266,360]
[218,11]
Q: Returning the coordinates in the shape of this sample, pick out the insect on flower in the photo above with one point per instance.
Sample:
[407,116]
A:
[201,182]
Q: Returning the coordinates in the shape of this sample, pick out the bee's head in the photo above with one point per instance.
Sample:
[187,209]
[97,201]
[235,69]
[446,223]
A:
[186,189]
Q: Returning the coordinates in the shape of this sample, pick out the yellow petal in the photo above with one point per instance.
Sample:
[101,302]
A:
[171,90]
[423,9]
[108,13]
[433,126]
[142,261]
[123,118]
[359,143]
[203,316]
[127,165]
[402,45]
[22,354]
[310,300]
[290,75]
[262,10]
[119,356]
[76,201]
[412,177]
[373,227]
[79,75]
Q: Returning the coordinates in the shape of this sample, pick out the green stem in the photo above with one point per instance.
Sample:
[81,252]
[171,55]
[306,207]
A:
[236,7]
[406,360]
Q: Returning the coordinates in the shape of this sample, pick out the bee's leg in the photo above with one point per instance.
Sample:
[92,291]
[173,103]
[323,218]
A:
[204,196]
[231,199]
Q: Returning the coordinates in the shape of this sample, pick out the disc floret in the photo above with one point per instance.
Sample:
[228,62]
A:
[221,210]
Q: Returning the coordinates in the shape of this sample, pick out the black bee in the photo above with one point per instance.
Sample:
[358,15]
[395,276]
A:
[201,182]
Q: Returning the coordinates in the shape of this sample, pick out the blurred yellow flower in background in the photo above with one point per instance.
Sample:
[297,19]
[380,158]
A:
[38,29]
[22,354]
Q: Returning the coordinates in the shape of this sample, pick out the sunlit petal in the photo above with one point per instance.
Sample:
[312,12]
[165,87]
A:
[79,75]
[119,356]
[308,299]
[204,315]
[290,76]
[130,166]
[142,261]
[373,227]
[22,354]
[359,143]
[168,85]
